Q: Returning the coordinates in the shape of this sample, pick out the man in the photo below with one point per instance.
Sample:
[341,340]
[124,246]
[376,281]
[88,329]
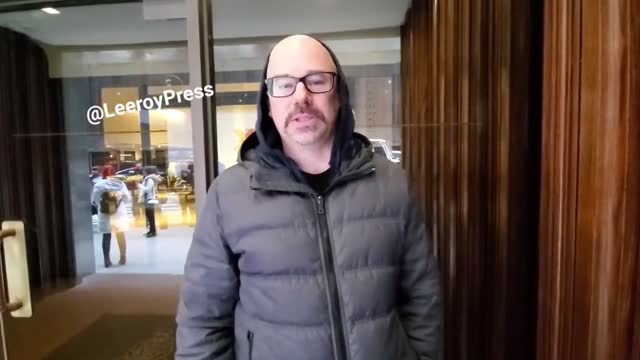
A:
[311,248]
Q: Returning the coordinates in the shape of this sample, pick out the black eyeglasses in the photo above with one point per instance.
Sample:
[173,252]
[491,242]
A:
[317,83]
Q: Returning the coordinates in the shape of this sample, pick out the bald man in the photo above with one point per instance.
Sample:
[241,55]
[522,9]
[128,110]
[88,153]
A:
[312,247]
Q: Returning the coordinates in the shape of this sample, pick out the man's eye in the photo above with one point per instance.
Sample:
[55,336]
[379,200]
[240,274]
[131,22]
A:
[284,85]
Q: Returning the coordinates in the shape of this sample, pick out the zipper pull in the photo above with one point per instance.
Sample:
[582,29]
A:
[250,338]
[320,200]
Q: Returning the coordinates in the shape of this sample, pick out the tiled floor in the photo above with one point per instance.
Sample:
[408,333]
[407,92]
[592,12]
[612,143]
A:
[147,285]
[164,254]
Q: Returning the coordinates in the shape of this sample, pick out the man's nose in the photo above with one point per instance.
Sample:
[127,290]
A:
[301,95]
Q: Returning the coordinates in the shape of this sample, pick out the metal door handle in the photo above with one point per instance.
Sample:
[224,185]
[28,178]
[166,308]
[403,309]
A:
[6,306]
[15,292]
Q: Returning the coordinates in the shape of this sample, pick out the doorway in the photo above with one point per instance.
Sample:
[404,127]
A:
[83,101]
[89,110]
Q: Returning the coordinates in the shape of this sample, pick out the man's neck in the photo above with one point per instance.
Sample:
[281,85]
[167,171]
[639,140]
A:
[312,159]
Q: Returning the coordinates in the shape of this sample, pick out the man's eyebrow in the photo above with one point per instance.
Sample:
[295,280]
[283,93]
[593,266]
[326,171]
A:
[278,75]
[307,73]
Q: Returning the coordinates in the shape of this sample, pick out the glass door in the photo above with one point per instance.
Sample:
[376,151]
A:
[108,99]
[99,170]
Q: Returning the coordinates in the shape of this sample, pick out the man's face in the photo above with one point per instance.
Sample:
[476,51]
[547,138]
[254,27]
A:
[303,118]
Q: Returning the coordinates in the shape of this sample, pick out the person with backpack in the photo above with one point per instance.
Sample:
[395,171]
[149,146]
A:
[110,194]
[149,198]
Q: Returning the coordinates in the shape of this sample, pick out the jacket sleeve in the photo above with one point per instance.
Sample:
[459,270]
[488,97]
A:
[148,185]
[126,195]
[210,291]
[421,305]
[95,194]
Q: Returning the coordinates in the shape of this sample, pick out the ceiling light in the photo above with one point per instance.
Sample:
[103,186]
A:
[51,11]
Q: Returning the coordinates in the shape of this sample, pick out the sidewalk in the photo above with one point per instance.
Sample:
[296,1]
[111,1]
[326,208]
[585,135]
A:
[163,254]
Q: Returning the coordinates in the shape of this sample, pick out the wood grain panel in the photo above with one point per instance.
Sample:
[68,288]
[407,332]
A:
[634,167]
[589,244]
[470,147]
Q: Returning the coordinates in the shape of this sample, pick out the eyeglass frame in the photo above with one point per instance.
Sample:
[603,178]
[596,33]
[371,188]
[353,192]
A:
[334,77]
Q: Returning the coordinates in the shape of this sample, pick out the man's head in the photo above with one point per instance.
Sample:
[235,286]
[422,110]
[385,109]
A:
[148,170]
[302,83]
[108,171]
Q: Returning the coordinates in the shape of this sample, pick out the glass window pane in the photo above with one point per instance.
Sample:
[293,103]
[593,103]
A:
[97,268]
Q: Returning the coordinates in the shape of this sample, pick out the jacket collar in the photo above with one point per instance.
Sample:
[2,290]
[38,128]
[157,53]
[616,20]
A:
[283,174]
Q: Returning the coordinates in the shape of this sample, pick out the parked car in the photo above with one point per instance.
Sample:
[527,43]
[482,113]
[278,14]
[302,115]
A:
[131,177]
[380,146]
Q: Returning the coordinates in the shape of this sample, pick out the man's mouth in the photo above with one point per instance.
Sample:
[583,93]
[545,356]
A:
[303,117]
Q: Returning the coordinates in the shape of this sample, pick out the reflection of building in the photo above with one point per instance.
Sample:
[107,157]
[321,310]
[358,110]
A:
[375,102]
[158,136]
[151,137]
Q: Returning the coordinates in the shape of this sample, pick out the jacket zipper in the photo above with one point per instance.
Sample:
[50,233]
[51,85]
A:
[250,338]
[330,276]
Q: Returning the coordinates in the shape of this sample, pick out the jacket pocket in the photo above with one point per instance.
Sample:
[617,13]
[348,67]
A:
[250,336]
[407,349]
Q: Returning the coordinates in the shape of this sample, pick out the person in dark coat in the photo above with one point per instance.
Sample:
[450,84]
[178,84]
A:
[312,247]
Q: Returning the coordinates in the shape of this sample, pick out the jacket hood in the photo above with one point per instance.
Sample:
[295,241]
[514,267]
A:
[110,184]
[267,141]
[269,173]
[155,177]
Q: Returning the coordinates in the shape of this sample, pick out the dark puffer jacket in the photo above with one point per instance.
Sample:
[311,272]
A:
[278,272]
